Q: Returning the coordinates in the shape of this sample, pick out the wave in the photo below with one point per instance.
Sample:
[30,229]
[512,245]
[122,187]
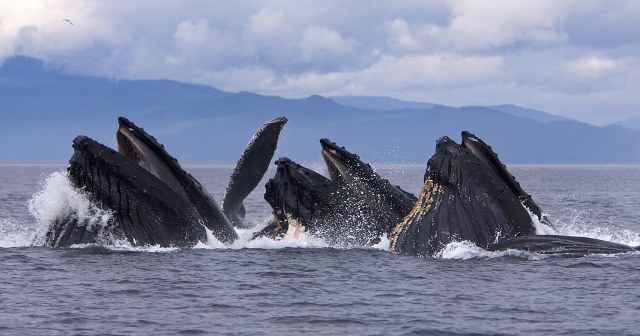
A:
[465,250]
[15,234]
[59,198]
[578,226]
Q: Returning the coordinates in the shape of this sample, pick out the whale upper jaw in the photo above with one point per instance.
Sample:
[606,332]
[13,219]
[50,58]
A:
[486,155]
[138,146]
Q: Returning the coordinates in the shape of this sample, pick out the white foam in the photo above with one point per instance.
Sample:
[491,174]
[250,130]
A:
[121,245]
[541,228]
[383,244]
[300,241]
[211,243]
[60,199]
[13,234]
[577,227]
[467,250]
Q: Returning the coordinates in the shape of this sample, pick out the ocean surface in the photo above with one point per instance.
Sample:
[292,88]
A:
[305,287]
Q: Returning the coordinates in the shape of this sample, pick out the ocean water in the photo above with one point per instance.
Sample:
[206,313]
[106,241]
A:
[306,287]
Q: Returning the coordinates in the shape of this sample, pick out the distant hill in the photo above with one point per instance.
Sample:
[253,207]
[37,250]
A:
[43,109]
[631,123]
[528,113]
[387,103]
[379,103]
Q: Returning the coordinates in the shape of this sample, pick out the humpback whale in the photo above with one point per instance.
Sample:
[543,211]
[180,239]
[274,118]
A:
[469,195]
[153,201]
[462,199]
[144,209]
[354,207]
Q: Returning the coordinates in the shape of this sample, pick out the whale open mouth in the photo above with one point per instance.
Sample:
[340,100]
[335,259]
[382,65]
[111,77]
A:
[136,145]
[343,166]
[489,158]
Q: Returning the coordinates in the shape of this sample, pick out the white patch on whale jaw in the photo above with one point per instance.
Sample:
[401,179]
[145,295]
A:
[295,231]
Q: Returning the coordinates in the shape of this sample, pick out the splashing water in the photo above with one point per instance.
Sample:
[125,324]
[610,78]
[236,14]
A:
[465,250]
[576,227]
[60,199]
[14,234]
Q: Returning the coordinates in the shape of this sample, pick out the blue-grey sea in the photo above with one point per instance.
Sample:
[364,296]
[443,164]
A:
[306,287]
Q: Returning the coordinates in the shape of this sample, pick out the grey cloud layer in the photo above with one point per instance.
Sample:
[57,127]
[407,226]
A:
[553,55]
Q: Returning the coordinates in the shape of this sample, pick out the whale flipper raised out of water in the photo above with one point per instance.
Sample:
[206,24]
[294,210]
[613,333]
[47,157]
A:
[250,169]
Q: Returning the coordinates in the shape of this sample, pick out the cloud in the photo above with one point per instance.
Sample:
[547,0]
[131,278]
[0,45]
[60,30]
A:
[432,70]
[192,35]
[593,67]
[572,73]
[325,49]
[487,25]
[38,28]
[199,46]
[400,37]
[556,50]
[267,23]
[390,74]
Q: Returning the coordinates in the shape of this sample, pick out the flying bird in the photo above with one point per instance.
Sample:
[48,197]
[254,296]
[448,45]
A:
[67,20]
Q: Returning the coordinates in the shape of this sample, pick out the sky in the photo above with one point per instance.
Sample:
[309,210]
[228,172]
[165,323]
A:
[578,59]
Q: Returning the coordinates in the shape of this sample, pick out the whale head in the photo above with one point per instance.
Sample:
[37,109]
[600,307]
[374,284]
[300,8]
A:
[153,199]
[462,199]
[144,210]
[299,196]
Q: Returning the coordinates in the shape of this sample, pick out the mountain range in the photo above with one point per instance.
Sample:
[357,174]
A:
[42,108]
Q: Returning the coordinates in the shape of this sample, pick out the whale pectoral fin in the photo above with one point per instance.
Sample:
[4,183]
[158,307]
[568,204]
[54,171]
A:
[250,169]
[570,246]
